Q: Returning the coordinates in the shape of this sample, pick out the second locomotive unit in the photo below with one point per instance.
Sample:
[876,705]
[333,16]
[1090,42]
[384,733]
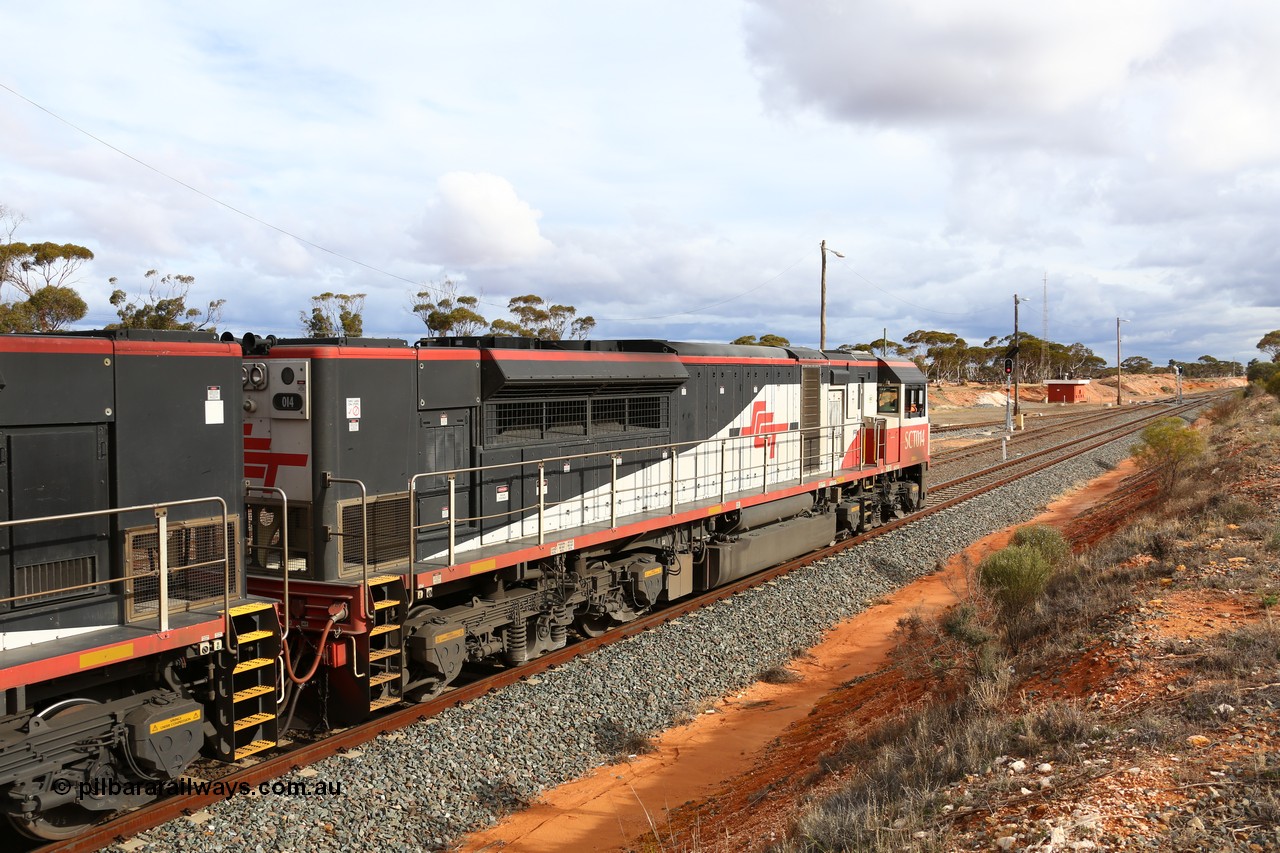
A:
[419,507]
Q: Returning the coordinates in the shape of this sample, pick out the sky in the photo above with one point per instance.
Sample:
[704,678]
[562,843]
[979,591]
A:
[669,168]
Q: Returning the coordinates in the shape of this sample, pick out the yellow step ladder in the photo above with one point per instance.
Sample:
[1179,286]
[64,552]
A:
[385,667]
[247,695]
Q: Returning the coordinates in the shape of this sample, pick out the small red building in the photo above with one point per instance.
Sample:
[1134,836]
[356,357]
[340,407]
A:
[1066,390]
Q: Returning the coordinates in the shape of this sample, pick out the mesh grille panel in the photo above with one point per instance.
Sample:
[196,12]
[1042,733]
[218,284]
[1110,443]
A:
[196,552]
[608,416]
[389,532]
[532,421]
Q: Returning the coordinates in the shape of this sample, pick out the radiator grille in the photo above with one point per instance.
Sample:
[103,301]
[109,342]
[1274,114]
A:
[52,576]
[389,532]
[533,421]
[196,552]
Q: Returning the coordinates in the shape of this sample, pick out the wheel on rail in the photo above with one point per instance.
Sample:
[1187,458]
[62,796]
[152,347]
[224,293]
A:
[56,824]
[593,624]
[66,820]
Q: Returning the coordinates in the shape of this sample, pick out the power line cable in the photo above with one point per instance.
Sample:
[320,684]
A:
[222,203]
[336,253]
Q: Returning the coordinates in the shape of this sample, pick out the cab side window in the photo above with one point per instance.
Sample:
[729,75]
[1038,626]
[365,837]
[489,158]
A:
[887,400]
[915,401]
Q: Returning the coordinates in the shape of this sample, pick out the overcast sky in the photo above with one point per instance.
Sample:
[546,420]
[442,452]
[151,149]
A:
[669,167]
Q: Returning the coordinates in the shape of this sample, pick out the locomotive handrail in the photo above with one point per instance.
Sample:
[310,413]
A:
[284,550]
[778,438]
[160,511]
[327,479]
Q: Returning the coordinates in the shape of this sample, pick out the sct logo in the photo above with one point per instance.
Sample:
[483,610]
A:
[763,428]
[260,463]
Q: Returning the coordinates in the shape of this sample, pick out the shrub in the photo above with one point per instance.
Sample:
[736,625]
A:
[1225,408]
[1262,371]
[1048,541]
[779,675]
[1015,577]
[1168,444]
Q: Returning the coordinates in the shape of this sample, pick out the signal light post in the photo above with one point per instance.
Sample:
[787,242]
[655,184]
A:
[1011,366]
[1008,414]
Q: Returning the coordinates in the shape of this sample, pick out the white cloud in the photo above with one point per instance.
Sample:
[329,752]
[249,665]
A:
[477,219]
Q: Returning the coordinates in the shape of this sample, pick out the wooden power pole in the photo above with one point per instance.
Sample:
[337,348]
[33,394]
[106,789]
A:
[822,325]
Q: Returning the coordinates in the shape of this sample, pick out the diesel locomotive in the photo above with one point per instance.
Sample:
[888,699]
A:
[348,522]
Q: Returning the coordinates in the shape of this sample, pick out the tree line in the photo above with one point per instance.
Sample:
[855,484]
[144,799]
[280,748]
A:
[1267,373]
[947,357]
[36,296]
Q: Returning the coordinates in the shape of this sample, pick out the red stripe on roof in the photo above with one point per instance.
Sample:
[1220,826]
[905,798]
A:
[66,346]
[584,356]
[366,353]
[177,348]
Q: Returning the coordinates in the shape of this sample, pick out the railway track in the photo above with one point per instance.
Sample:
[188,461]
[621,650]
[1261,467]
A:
[943,496]
[1068,415]
[998,423]
[951,492]
[1023,440]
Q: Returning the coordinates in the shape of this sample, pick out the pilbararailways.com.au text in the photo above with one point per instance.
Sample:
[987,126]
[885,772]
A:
[196,787]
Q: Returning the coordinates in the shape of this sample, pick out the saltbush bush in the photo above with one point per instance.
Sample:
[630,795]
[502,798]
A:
[1015,577]
[1048,541]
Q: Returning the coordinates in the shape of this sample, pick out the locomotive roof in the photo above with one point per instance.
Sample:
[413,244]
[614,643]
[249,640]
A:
[848,355]
[902,371]
[163,336]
